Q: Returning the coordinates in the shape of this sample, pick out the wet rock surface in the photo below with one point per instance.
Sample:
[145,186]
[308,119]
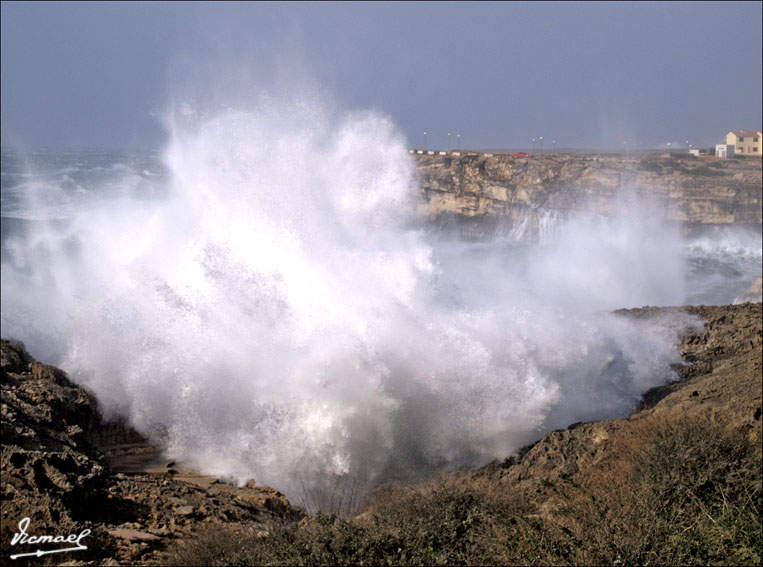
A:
[67,471]
[49,467]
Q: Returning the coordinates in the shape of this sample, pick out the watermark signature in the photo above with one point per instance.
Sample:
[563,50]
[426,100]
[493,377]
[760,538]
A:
[23,538]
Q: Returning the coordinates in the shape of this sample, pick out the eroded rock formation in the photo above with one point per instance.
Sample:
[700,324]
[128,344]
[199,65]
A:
[481,195]
[67,471]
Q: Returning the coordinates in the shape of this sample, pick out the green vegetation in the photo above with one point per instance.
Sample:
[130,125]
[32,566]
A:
[690,494]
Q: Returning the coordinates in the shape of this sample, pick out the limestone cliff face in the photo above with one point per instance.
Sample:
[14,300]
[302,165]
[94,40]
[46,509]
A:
[483,193]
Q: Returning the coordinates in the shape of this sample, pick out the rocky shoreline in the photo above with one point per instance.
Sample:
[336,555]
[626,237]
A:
[68,471]
[720,381]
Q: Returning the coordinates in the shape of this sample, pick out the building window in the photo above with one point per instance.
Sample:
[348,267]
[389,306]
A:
[754,139]
[755,149]
[741,139]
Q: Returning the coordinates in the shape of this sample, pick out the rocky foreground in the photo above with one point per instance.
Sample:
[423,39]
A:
[67,471]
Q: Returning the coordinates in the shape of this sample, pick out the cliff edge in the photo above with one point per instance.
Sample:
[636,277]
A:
[481,195]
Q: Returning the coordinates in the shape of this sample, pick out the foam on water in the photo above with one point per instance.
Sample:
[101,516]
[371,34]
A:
[279,316]
[722,263]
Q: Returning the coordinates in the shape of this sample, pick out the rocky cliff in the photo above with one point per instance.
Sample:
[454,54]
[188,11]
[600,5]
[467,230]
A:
[68,472]
[485,194]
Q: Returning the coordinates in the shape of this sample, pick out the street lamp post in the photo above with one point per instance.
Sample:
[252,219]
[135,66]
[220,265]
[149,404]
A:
[448,141]
[458,141]
[425,139]
[541,143]
[533,144]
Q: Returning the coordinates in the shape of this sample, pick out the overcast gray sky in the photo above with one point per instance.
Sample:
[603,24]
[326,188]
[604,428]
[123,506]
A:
[590,75]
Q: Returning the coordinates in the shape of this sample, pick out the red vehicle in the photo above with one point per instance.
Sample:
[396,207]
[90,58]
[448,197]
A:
[522,154]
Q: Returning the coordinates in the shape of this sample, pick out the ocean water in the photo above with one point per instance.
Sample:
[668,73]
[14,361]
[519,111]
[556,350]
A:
[48,187]
[260,297]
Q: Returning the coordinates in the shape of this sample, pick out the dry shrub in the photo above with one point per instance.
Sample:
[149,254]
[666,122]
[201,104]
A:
[685,492]
[344,496]
[453,519]
[218,547]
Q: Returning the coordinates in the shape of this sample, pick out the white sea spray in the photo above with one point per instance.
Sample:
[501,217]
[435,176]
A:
[279,315]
